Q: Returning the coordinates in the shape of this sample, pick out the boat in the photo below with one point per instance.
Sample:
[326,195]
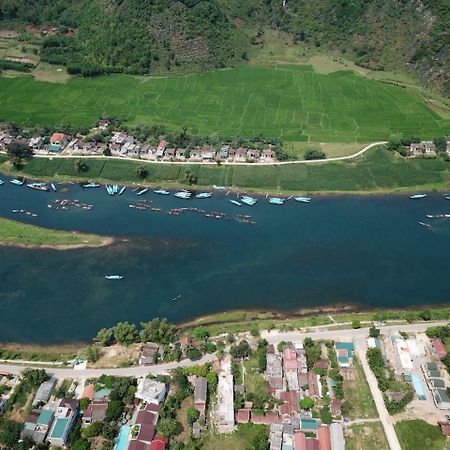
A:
[122,190]
[53,187]
[235,202]
[447,197]
[250,201]
[417,196]
[183,194]
[91,184]
[177,297]
[161,192]
[115,189]
[17,182]
[424,224]
[219,188]
[38,186]
[114,277]
[1,182]
[142,191]
[203,195]
[109,189]
[302,199]
[276,201]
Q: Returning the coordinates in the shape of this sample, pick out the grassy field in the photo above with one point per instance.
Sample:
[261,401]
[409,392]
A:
[367,436]
[236,441]
[17,233]
[377,171]
[292,102]
[420,435]
[358,394]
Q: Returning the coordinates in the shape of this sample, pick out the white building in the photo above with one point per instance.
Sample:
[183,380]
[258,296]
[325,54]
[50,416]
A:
[151,391]
[225,400]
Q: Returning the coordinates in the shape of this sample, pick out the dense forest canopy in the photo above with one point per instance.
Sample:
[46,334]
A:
[155,36]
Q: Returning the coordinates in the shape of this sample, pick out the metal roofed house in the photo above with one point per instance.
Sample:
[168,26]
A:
[151,391]
[441,398]
[418,387]
[44,392]
[324,437]
[344,351]
[290,359]
[274,371]
[159,443]
[337,436]
[200,394]
[300,441]
[439,348]
[147,353]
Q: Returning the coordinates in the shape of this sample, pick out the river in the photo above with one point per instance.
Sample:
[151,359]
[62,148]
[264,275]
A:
[364,250]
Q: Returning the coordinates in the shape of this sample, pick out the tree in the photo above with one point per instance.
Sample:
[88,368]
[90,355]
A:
[201,333]
[314,154]
[17,151]
[9,432]
[440,143]
[356,324]
[254,332]
[142,172]
[104,336]
[374,332]
[260,439]
[93,353]
[157,330]
[169,427]
[306,403]
[192,415]
[125,333]
[80,166]
[190,177]
[212,379]
[425,315]
[242,350]
[94,429]
[114,410]
[81,444]
[193,353]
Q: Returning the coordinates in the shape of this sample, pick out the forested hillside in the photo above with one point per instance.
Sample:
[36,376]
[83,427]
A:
[154,36]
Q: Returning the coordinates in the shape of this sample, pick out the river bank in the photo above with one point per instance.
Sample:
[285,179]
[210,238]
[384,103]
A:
[376,172]
[21,235]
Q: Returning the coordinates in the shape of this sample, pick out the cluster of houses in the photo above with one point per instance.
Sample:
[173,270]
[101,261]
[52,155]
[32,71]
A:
[425,149]
[52,419]
[121,144]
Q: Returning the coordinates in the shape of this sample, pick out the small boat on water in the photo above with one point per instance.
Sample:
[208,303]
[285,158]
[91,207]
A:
[1,182]
[424,224]
[114,277]
[142,191]
[53,187]
[235,202]
[276,201]
[109,189]
[115,189]
[122,190]
[161,192]
[219,188]
[91,184]
[176,298]
[38,186]
[17,182]
[447,197]
[203,195]
[183,194]
[250,201]
[417,196]
[302,199]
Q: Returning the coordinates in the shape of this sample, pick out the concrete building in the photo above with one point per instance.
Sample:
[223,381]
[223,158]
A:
[65,417]
[151,391]
[200,394]
[225,399]
[337,436]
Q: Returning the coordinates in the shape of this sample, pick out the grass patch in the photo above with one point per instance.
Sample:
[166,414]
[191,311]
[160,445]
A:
[418,435]
[237,441]
[254,381]
[358,394]
[30,352]
[292,102]
[17,233]
[367,436]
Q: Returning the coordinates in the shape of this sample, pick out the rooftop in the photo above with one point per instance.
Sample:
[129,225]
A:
[59,428]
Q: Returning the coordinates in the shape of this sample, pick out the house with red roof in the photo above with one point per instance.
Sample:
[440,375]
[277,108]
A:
[439,348]
[290,359]
[159,443]
[88,392]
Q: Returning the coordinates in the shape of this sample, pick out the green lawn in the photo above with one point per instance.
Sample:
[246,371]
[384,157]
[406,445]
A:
[367,436]
[358,394]
[239,440]
[292,102]
[17,233]
[378,171]
[420,435]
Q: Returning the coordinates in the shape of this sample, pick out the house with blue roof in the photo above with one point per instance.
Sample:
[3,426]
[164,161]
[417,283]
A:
[344,352]
[65,417]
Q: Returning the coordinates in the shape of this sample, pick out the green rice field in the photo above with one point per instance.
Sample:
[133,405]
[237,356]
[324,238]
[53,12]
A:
[294,103]
[378,171]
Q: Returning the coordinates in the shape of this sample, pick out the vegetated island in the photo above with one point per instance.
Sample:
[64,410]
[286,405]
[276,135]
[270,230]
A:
[17,234]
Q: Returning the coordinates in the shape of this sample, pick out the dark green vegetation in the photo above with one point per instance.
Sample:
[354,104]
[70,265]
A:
[378,170]
[29,383]
[388,384]
[289,102]
[431,438]
[442,333]
[137,36]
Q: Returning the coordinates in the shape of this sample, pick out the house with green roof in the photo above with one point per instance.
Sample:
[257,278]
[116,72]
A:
[65,417]
[344,353]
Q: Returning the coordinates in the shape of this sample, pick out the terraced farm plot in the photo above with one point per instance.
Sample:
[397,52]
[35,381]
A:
[290,102]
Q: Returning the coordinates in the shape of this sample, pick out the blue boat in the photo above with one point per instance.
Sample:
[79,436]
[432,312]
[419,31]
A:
[183,194]
[203,195]
[235,202]
[17,182]
[53,187]
[417,196]
[302,199]
[122,190]
[143,191]
[276,201]
[161,192]
[250,201]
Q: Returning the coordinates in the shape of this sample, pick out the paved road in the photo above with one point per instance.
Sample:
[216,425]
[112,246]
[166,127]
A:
[213,163]
[273,337]
[135,371]
[385,418]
